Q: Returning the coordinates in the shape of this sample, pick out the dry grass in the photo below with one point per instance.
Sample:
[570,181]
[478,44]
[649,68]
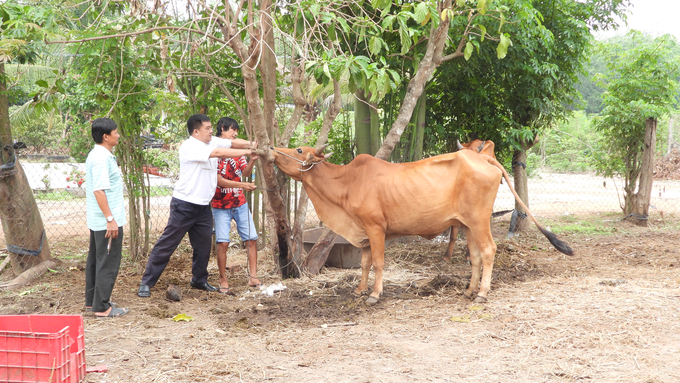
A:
[608,314]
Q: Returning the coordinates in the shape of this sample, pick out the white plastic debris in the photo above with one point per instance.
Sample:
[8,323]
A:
[271,289]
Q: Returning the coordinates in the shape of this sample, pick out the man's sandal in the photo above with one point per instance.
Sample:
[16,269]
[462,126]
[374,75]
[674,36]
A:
[114,313]
[226,291]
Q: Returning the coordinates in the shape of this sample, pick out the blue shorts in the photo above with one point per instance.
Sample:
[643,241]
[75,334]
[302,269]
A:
[244,223]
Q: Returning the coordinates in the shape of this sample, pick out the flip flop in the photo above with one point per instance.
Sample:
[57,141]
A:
[89,308]
[226,291]
[114,313]
[256,286]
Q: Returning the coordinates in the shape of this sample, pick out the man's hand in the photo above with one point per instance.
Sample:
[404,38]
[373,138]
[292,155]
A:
[248,186]
[111,229]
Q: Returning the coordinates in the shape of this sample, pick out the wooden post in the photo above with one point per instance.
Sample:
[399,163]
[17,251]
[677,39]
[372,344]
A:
[670,135]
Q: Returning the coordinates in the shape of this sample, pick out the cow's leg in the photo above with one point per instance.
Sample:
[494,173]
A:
[452,244]
[378,256]
[366,263]
[475,262]
[481,257]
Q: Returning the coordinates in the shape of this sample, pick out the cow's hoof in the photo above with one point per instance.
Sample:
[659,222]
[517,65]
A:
[468,294]
[446,258]
[480,299]
[371,301]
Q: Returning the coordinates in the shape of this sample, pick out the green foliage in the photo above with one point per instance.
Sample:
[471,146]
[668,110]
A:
[568,147]
[165,160]
[513,100]
[341,139]
[641,83]
[40,130]
[80,141]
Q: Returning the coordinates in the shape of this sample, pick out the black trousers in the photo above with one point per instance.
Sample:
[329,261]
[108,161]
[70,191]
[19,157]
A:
[101,269]
[185,217]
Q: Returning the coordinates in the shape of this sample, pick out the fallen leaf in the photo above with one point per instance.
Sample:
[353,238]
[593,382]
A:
[182,317]
[476,308]
[463,319]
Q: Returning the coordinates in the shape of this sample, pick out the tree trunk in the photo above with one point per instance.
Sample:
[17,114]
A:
[431,60]
[520,181]
[21,220]
[419,127]
[362,123]
[374,130]
[640,200]
[268,73]
[250,58]
[670,135]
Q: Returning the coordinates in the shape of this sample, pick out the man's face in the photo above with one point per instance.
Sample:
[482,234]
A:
[204,133]
[229,133]
[113,137]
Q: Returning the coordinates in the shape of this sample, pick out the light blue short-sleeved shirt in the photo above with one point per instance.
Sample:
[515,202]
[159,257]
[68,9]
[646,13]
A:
[102,173]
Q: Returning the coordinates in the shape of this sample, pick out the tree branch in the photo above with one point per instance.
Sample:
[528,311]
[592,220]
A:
[208,35]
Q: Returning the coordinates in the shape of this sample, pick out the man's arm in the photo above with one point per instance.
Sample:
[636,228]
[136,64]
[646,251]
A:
[103,202]
[238,143]
[229,152]
[251,164]
[225,183]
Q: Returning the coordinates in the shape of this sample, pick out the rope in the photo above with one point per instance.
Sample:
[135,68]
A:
[21,251]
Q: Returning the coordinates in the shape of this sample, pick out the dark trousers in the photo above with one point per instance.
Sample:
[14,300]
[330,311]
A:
[185,217]
[101,269]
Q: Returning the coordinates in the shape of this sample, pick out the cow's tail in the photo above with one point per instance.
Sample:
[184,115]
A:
[560,245]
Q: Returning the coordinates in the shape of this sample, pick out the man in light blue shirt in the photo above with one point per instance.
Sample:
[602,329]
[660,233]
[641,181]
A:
[105,219]
[190,210]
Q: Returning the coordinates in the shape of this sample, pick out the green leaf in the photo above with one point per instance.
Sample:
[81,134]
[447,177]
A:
[502,49]
[374,45]
[501,23]
[460,3]
[326,71]
[481,7]
[331,32]
[482,30]
[182,317]
[41,83]
[421,12]
[387,22]
[469,47]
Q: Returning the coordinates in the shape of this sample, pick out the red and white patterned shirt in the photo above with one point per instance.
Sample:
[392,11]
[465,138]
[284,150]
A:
[230,169]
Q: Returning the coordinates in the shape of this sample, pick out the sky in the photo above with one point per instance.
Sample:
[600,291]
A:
[656,17]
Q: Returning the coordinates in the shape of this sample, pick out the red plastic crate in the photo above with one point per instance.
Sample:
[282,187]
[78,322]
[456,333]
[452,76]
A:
[42,348]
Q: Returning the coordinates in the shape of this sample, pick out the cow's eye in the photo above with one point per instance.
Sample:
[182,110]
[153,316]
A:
[299,150]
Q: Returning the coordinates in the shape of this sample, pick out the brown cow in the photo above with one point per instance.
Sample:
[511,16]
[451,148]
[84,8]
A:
[370,200]
[484,147]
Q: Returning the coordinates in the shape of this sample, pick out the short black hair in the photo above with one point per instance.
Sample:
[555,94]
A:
[102,126]
[225,123]
[196,121]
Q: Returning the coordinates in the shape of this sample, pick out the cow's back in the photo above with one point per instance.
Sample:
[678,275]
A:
[422,197]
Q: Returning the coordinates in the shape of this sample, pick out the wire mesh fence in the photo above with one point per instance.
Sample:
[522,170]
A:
[61,200]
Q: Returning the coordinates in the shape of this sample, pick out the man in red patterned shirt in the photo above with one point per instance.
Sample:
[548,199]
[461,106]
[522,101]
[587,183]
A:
[230,203]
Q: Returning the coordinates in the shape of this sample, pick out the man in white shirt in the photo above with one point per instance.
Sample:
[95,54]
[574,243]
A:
[190,205]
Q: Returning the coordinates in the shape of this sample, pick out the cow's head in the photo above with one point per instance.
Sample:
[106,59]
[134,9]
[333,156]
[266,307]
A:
[484,147]
[293,162]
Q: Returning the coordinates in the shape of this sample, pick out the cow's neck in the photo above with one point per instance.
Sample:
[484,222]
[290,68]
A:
[325,183]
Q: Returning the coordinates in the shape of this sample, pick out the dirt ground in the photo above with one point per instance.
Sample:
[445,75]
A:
[610,313]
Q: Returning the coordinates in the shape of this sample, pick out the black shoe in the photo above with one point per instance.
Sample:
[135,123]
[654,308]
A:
[203,286]
[144,291]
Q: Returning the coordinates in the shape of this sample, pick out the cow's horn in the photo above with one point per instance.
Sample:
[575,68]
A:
[458,145]
[325,156]
[320,150]
[479,149]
